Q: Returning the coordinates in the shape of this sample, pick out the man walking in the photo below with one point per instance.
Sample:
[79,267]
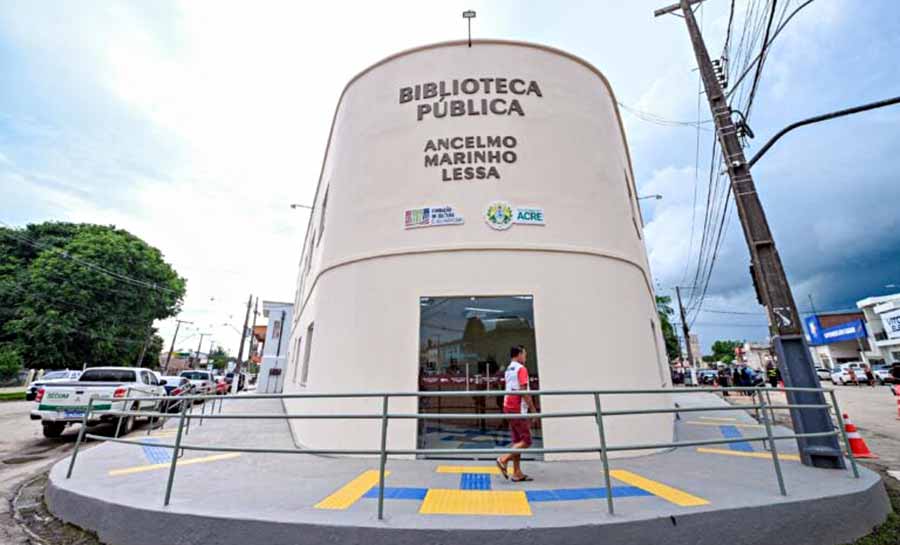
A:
[516,404]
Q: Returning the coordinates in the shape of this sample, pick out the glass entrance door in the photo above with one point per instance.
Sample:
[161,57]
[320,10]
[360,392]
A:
[464,345]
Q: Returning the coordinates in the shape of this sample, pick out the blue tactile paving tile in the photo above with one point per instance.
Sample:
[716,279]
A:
[730,432]
[475,481]
[156,455]
[398,493]
[570,494]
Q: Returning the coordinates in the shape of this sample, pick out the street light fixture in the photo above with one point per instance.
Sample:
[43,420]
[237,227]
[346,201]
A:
[655,196]
[295,206]
[468,15]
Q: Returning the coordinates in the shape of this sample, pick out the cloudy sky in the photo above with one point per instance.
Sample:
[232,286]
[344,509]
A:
[194,124]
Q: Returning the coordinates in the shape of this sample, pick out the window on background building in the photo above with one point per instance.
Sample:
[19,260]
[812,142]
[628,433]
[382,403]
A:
[322,217]
[309,253]
[632,202]
[304,375]
[296,358]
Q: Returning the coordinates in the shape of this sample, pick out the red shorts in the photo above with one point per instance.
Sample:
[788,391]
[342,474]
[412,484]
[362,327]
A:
[520,428]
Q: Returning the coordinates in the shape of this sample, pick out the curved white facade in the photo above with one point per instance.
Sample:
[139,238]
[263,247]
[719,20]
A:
[559,157]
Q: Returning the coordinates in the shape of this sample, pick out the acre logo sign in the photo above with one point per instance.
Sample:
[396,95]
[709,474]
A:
[501,215]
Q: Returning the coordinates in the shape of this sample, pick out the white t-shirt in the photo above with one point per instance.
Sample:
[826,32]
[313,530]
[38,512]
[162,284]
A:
[513,384]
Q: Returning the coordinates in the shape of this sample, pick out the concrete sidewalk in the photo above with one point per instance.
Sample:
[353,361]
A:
[688,495]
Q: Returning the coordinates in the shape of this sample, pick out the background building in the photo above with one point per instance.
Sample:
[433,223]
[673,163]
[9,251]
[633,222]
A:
[882,314]
[836,337]
[275,347]
[757,355]
[471,199]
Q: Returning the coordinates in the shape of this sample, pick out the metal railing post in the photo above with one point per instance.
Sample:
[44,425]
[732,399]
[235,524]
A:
[603,457]
[384,423]
[155,419]
[81,433]
[840,419]
[187,430]
[769,403]
[203,410]
[175,455]
[775,461]
[124,408]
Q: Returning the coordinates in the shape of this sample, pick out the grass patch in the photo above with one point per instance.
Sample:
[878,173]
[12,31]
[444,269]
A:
[889,532]
[12,396]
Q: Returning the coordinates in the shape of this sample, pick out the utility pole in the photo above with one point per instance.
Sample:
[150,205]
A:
[770,281]
[253,332]
[144,346]
[684,327]
[237,368]
[199,344]
[172,348]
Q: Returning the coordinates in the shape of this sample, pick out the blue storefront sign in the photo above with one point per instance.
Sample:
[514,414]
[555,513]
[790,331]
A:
[848,331]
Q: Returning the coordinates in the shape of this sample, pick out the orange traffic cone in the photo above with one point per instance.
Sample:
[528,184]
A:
[857,444]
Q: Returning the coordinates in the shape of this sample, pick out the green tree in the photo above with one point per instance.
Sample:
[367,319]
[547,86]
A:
[724,350]
[665,310]
[10,363]
[74,294]
[219,358]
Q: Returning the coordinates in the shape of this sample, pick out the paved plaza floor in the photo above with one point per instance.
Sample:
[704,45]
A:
[689,493]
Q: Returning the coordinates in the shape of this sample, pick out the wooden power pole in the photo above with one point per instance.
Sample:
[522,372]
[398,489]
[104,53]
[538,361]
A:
[769,278]
[684,327]
[235,377]
[172,348]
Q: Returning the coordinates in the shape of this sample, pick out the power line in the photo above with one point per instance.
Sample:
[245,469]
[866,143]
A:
[774,35]
[762,60]
[660,120]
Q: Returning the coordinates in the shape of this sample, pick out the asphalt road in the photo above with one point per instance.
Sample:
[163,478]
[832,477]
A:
[874,412]
[25,452]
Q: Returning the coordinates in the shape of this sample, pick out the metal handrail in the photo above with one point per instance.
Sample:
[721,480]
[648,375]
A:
[383,452]
[488,393]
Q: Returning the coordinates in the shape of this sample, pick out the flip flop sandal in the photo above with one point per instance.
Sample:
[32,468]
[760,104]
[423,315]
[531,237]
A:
[523,479]
[502,469]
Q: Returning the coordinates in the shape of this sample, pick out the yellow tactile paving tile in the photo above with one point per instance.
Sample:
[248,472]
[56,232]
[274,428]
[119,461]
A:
[719,418]
[764,455]
[666,492]
[351,492]
[734,424]
[493,470]
[182,462]
[439,501]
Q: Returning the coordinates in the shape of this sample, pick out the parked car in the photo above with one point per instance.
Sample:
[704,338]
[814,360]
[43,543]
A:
[707,376]
[222,385]
[175,387]
[64,403]
[883,374]
[841,373]
[824,374]
[241,380]
[201,380]
[49,378]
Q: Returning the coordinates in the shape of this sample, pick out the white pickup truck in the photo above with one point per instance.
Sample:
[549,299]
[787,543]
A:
[64,403]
